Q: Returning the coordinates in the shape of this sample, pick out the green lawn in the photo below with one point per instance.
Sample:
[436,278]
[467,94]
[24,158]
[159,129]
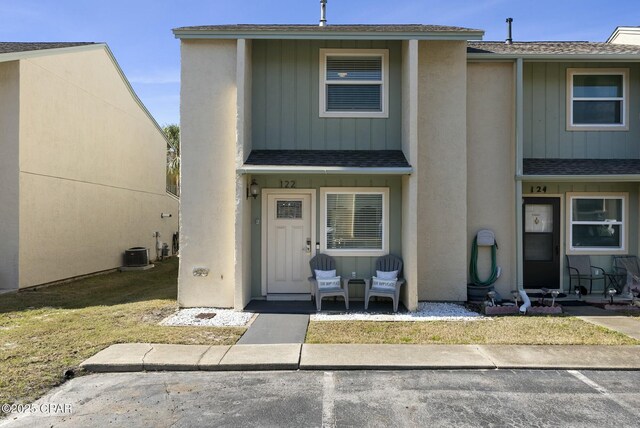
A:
[520,330]
[45,332]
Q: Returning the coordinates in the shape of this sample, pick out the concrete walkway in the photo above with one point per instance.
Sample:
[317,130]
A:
[608,319]
[276,328]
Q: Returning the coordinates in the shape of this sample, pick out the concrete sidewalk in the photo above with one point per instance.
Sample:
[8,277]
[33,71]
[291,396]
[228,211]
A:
[149,357]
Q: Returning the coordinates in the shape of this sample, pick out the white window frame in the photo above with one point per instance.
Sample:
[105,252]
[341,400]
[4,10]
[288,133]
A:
[624,126]
[384,191]
[624,224]
[384,93]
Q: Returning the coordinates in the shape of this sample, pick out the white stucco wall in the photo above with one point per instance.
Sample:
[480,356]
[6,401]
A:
[208,112]
[442,172]
[491,166]
[92,168]
[625,36]
[9,184]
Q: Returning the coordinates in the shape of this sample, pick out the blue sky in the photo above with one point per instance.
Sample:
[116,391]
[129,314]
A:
[139,31]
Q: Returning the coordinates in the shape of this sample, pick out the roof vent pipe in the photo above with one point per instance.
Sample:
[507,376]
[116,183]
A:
[323,13]
[509,40]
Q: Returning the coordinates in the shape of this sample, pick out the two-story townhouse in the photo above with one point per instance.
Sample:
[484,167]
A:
[577,153]
[363,140]
[348,134]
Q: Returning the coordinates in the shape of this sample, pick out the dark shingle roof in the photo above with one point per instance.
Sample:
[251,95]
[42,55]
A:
[329,158]
[551,48]
[382,28]
[581,166]
[11,47]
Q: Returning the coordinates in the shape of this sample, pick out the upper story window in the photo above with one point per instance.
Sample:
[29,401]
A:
[597,99]
[354,83]
[597,223]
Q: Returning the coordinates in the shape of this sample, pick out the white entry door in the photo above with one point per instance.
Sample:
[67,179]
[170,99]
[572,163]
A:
[289,243]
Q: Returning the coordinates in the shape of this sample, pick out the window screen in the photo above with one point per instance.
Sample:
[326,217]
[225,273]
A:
[354,98]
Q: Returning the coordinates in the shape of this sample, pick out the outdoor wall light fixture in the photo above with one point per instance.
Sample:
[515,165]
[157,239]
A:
[253,189]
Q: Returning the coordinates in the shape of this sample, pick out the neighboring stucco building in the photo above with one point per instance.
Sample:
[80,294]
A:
[407,139]
[82,164]
[624,35]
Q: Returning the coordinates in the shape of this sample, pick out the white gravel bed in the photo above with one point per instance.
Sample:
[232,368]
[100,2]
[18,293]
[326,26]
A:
[426,312]
[223,318]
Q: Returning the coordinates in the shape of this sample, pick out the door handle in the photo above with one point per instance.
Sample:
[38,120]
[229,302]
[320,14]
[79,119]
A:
[308,247]
[557,250]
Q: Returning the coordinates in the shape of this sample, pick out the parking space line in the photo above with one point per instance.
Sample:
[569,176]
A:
[602,390]
[328,401]
[586,380]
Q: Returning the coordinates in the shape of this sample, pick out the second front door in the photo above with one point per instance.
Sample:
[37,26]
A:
[541,243]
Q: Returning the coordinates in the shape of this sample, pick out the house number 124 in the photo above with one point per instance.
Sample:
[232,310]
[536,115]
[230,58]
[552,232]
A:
[538,189]
[287,184]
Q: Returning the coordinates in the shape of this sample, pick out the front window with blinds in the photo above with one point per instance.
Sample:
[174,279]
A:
[353,83]
[354,221]
[597,99]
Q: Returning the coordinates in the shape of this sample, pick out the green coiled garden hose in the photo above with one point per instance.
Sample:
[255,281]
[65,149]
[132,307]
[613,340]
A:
[473,265]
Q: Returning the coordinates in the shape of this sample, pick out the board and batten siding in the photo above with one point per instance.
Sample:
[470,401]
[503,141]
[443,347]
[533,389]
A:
[285,97]
[363,266]
[603,261]
[545,134]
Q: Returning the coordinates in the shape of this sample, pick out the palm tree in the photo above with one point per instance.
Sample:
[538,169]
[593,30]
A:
[172,132]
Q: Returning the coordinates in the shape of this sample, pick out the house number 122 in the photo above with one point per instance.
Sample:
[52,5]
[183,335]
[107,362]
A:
[287,184]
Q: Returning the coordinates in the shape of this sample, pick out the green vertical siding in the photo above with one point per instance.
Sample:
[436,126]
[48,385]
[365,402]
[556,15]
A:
[285,100]
[545,134]
[632,223]
[364,266]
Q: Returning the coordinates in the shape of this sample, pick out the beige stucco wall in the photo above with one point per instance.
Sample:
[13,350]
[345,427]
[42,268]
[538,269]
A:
[243,149]
[9,184]
[409,294]
[208,111]
[92,168]
[491,166]
[442,172]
